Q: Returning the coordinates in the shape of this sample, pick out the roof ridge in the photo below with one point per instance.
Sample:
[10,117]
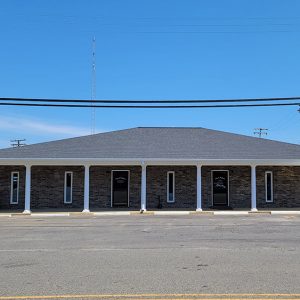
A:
[179,127]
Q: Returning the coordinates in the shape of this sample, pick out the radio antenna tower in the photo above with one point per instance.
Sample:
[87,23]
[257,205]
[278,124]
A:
[93,87]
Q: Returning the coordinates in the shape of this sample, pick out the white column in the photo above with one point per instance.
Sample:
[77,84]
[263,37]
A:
[199,189]
[86,200]
[143,188]
[27,189]
[253,188]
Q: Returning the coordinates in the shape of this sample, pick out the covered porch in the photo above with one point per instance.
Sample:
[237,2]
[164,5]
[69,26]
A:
[149,185]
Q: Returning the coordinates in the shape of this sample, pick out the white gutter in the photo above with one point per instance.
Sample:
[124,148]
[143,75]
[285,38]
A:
[147,161]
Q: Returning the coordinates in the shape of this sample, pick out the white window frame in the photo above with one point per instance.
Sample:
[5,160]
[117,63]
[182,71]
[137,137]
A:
[11,187]
[266,189]
[168,178]
[65,188]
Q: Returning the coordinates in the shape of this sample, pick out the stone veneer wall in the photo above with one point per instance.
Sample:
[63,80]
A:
[286,187]
[5,187]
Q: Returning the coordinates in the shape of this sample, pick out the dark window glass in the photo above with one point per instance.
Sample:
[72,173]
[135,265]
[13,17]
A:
[120,188]
[171,187]
[269,196]
[68,188]
[220,188]
[15,188]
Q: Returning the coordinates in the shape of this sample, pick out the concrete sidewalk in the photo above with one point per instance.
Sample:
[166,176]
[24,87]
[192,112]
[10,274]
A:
[155,213]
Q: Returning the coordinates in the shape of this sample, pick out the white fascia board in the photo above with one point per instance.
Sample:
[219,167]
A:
[68,161]
[224,162]
[149,161]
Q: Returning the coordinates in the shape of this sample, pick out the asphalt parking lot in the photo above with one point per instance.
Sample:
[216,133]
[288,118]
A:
[149,254]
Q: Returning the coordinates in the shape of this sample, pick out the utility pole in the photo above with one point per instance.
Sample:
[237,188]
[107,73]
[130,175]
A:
[17,143]
[93,87]
[260,131]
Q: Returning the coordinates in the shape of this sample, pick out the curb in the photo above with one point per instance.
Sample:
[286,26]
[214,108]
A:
[112,213]
[151,213]
[260,212]
[171,213]
[50,215]
[282,212]
[230,213]
[80,214]
[6,215]
[20,214]
[211,213]
[138,213]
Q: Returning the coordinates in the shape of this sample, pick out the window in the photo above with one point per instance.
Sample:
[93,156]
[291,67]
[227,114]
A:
[14,190]
[269,186]
[68,187]
[171,187]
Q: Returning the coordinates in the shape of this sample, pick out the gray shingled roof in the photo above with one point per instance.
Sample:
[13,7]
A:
[160,143]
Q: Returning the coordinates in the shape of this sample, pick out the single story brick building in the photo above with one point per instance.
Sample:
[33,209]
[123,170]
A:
[151,168]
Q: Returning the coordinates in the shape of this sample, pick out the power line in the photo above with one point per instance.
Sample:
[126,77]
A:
[149,101]
[149,106]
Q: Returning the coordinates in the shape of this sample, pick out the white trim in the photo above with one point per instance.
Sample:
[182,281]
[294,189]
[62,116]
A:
[86,192]
[199,188]
[111,188]
[212,186]
[144,187]
[11,187]
[266,192]
[253,189]
[65,188]
[27,189]
[148,161]
[168,182]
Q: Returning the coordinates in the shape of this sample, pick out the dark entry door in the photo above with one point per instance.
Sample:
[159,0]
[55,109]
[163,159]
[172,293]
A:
[220,188]
[120,188]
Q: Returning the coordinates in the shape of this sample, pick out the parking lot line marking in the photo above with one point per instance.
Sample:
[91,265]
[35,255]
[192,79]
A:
[163,296]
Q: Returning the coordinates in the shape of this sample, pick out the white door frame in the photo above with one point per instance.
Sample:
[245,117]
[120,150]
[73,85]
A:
[212,186]
[112,188]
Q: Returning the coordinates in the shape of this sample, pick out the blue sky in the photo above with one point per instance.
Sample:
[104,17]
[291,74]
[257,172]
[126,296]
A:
[149,49]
